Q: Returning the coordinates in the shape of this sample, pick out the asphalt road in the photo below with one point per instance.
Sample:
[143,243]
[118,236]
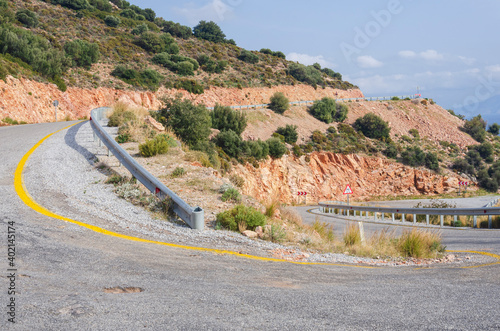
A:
[63,269]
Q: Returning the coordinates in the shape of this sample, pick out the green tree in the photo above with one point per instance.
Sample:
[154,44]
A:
[276,148]
[279,103]
[494,129]
[230,142]
[249,57]
[225,118]
[289,132]
[28,18]
[327,110]
[373,126]
[476,128]
[190,122]
[112,21]
[82,53]
[209,31]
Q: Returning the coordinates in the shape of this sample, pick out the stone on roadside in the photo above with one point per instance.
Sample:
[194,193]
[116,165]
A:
[249,234]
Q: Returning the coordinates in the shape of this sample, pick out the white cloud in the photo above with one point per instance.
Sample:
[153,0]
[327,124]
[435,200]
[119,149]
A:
[215,10]
[367,61]
[429,55]
[309,59]
[467,60]
[407,54]
[493,69]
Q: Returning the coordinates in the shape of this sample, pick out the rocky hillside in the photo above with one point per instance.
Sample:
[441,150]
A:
[326,175]
[30,101]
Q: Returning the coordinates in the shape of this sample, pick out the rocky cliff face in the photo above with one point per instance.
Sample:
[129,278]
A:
[31,101]
[326,175]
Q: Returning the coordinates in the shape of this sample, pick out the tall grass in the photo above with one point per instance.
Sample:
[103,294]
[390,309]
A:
[420,243]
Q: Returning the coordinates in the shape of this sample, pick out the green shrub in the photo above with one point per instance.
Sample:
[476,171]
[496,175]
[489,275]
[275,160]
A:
[230,142]
[415,157]
[231,194]
[185,68]
[73,4]
[476,128]
[225,118]
[34,50]
[28,18]
[327,110]
[190,122]
[309,74]
[120,117]
[257,149]
[279,103]
[248,216]
[373,126]
[82,53]
[102,5]
[420,244]
[249,57]
[209,31]
[289,133]
[189,85]
[147,78]
[391,151]
[276,148]
[176,29]
[414,133]
[494,129]
[485,150]
[123,138]
[178,172]
[140,29]
[237,180]
[153,147]
[112,21]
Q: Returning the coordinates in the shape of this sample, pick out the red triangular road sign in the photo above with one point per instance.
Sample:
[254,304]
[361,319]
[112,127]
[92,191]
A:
[348,189]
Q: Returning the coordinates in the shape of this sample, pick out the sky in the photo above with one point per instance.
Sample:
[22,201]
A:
[446,50]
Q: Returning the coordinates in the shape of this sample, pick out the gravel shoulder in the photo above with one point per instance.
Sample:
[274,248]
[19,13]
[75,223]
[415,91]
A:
[63,176]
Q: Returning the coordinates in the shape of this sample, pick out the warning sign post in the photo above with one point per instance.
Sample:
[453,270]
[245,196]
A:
[348,191]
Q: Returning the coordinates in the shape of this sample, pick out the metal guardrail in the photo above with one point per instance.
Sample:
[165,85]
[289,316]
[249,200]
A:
[265,105]
[194,217]
[343,209]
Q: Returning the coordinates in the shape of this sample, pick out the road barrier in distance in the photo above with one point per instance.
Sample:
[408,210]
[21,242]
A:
[294,103]
[344,209]
[194,217]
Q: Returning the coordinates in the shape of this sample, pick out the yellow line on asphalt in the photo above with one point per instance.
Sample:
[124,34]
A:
[22,192]
[481,253]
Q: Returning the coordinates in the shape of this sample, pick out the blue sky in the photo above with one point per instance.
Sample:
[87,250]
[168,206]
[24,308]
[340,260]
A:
[448,49]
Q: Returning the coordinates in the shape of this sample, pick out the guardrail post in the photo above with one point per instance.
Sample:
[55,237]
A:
[393,219]
[414,218]
[402,217]
[197,218]
[475,222]
[427,219]
[375,215]
[383,216]
[442,220]
[490,225]
[455,219]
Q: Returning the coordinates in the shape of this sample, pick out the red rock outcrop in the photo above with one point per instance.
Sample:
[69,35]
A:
[30,101]
[326,175]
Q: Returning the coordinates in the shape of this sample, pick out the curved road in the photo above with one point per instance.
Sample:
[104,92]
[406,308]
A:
[63,269]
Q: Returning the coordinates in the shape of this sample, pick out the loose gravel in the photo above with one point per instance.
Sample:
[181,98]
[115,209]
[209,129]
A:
[63,176]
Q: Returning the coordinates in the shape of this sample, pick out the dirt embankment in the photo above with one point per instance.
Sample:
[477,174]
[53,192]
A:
[326,175]
[31,101]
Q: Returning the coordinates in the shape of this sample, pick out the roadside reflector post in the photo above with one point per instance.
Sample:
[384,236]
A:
[361,232]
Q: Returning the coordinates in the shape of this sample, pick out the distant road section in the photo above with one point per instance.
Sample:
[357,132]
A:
[459,202]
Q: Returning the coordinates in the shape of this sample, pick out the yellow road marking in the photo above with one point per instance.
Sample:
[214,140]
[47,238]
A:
[22,192]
